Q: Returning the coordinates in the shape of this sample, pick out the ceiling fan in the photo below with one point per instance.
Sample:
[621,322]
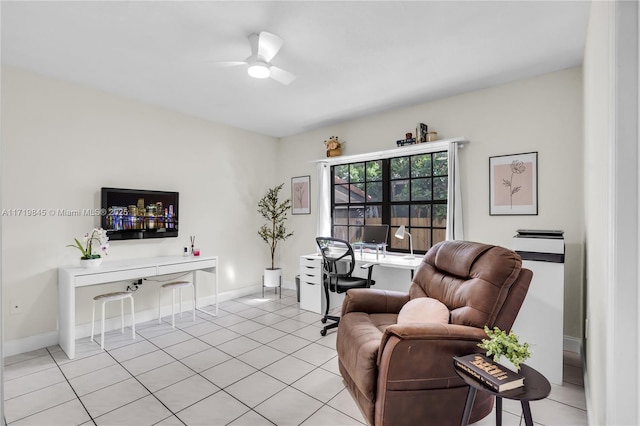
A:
[264,46]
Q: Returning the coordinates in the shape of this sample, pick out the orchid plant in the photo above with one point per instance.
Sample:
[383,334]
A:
[97,236]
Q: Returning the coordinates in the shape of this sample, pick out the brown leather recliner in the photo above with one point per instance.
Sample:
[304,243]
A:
[403,374]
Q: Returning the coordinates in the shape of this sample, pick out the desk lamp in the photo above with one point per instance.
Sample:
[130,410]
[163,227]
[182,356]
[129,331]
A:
[400,235]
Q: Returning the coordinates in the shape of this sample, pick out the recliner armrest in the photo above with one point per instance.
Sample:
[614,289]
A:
[433,340]
[372,301]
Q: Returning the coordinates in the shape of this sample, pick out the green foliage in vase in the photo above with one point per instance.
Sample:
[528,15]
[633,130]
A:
[275,213]
[500,344]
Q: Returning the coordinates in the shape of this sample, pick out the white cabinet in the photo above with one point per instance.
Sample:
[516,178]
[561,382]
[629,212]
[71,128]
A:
[312,296]
[541,317]
[311,283]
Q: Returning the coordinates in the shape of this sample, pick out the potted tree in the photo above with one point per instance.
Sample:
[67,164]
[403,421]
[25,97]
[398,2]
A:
[275,213]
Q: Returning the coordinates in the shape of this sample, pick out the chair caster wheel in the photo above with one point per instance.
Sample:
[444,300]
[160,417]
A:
[323,332]
[323,320]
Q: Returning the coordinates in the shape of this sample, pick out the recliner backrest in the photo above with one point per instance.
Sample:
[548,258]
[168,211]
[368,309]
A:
[474,281]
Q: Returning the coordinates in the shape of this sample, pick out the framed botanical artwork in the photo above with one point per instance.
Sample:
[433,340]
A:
[513,184]
[300,195]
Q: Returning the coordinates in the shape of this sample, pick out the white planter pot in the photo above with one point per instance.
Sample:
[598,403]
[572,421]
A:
[90,263]
[271,277]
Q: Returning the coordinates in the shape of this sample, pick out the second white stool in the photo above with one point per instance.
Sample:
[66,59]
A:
[108,297]
[176,285]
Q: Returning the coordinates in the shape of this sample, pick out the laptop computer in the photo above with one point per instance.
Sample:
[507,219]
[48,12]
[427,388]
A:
[375,234]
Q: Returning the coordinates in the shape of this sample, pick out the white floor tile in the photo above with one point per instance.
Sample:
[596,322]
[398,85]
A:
[170,339]
[320,384]
[134,350]
[262,356]
[32,382]
[87,365]
[228,372]
[115,396]
[145,411]
[187,392]
[99,379]
[289,325]
[266,335]
[68,413]
[289,407]
[254,389]
[251,418]
[28,366]
[315,354]
[147,362]
[237,347]
[289,369]
[345,403]
[289,343]
[218,409]
[199,329]
[246,327]
[187,348]
[330,416]
[205,359]
[164,376]
[37,401]
[218,337]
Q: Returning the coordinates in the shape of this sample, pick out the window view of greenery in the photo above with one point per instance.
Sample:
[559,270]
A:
[410,191]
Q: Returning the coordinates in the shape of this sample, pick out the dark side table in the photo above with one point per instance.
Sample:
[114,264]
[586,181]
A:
[536,387]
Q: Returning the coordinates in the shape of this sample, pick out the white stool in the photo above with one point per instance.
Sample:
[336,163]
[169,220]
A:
[104,298]
[176,285]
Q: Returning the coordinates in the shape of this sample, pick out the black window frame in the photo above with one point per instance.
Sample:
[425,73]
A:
[360,209]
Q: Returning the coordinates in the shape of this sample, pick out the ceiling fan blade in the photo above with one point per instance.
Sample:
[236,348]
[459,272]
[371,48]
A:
[225,64]
[281,76]
[268,45]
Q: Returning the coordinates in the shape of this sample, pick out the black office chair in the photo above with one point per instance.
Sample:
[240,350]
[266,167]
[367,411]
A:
[338,263]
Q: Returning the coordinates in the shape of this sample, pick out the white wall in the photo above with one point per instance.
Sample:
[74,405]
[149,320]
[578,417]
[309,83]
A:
[62,142]
[542,114]
[596,177]
[611,206]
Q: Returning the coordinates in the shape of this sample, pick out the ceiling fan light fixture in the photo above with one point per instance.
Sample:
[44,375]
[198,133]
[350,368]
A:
[258,70]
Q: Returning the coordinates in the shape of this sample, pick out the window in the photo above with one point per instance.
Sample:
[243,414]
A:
[409,190]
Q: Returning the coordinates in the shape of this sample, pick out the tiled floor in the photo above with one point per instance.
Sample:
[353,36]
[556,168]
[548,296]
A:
[260,362]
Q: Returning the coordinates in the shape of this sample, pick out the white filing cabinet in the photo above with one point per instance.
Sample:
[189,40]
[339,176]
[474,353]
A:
[540,320]
[311,283]
[311,288]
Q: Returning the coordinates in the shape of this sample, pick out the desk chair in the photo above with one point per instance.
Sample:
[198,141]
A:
[338,263]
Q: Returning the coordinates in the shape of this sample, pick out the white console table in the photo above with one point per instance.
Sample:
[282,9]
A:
[69,278]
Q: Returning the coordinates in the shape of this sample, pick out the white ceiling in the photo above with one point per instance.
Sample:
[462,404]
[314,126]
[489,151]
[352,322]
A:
[351,58]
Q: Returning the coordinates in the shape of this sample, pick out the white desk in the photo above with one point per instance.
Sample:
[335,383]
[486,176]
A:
[69,278]
[311,296]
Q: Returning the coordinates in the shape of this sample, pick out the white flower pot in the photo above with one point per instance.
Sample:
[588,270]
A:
[272,277]
[91,263]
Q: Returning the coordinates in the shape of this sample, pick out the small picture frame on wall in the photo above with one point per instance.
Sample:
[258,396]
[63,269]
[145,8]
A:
[301,195]
[513,184]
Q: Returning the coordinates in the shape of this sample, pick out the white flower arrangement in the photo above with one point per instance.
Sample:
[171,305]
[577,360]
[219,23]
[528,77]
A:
[97,235]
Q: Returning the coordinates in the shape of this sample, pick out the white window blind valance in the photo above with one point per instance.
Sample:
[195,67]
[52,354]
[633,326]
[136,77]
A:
[454,205]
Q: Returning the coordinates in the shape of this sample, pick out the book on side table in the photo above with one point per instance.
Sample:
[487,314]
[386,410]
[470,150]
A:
[490,373]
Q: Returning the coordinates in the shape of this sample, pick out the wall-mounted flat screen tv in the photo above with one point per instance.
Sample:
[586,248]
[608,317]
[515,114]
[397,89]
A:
[136,213]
